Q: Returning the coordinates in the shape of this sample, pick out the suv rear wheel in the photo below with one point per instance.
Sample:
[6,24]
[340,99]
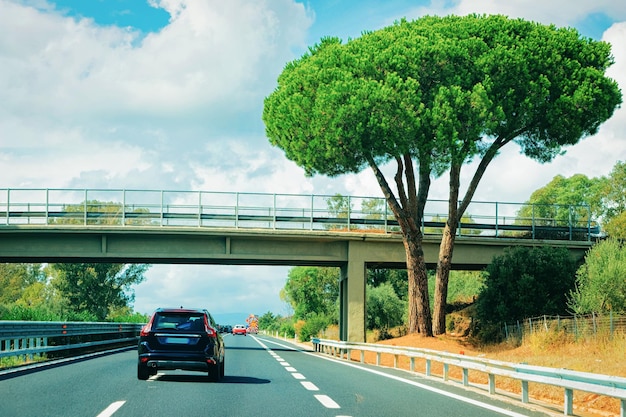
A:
[143,372]
[216,372]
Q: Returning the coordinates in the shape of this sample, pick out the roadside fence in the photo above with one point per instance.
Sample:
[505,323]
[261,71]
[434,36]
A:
[578,326]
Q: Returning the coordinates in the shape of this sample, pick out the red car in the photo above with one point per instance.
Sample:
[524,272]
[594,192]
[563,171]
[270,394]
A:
[240,329]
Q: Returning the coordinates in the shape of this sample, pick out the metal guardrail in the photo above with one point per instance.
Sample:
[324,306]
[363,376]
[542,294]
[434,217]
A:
[28,338]
[570,381]
[121,207]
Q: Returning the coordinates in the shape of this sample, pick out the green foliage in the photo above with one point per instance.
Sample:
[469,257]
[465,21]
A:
[397,278]
[440,86]
[18,312]
[526,282]
[16,278]
[573,200]
[125,314]
[42,313]
[312,326]
[613,200]
[590,199]
[95,288]
[384,309]
[601,280]
[312,290]
[287,329]
[270,322]
[339,206]
[464,286]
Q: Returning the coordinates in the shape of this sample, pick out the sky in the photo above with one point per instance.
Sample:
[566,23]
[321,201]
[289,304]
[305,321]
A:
[168,95]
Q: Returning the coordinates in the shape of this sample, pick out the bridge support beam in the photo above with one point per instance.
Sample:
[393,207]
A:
[352,306]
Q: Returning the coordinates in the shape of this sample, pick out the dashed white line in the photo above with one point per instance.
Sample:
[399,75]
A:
[326,401]
[111,409]
[309,386]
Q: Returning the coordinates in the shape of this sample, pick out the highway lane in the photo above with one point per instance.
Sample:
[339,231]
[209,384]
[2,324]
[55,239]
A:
[264,377]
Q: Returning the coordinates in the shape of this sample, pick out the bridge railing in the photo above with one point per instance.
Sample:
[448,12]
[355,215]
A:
[570,381]
[26,339]
[163,208]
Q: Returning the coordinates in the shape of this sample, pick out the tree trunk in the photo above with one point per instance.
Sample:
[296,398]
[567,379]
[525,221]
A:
[419,306]
[444,264]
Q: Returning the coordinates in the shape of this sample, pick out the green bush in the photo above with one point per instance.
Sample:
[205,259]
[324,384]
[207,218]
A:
[312,326]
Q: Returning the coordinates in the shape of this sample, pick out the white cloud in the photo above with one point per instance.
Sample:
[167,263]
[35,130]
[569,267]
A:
[223,289]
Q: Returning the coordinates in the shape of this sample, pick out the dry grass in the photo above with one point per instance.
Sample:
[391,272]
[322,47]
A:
[601,354]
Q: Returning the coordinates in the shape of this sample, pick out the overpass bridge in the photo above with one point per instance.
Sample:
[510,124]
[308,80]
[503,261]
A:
[176,227]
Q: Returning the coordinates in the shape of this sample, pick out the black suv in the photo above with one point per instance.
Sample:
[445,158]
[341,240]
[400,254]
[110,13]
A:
[181,338]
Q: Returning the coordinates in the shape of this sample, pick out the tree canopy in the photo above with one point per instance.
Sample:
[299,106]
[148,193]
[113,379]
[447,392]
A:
[432,95]
[96,288]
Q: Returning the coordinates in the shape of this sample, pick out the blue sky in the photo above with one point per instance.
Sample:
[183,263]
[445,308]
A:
[168,94]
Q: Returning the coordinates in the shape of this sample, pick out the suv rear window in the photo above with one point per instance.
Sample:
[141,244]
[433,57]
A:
[178,321]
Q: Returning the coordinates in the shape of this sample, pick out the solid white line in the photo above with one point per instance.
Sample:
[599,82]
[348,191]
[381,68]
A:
[326,401]
[414,383]
[110,410]
[309,386]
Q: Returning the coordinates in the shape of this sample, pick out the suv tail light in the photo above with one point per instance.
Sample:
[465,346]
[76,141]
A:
[210,331]
[145,330]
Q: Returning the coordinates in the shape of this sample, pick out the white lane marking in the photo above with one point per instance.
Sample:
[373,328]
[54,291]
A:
[111,409]
[414,383]
[309,386]
[326,401]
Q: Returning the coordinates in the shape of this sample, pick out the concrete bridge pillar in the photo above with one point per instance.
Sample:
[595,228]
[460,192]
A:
[352,308]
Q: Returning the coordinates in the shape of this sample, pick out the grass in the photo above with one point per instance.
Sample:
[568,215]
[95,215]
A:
[12,361]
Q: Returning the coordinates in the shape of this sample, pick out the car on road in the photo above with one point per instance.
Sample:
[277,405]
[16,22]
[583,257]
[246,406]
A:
[181,338]
[240,329]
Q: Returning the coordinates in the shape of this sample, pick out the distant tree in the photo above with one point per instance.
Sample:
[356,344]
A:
[601,280]
[563,201]
[384,309]
[269,321]
[15,278]
[312,291]
[96,288]
[433,95]
[613,201]
[526,282]
[99,213]
[397,278]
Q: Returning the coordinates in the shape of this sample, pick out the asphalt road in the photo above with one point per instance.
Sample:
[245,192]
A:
[264,377]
